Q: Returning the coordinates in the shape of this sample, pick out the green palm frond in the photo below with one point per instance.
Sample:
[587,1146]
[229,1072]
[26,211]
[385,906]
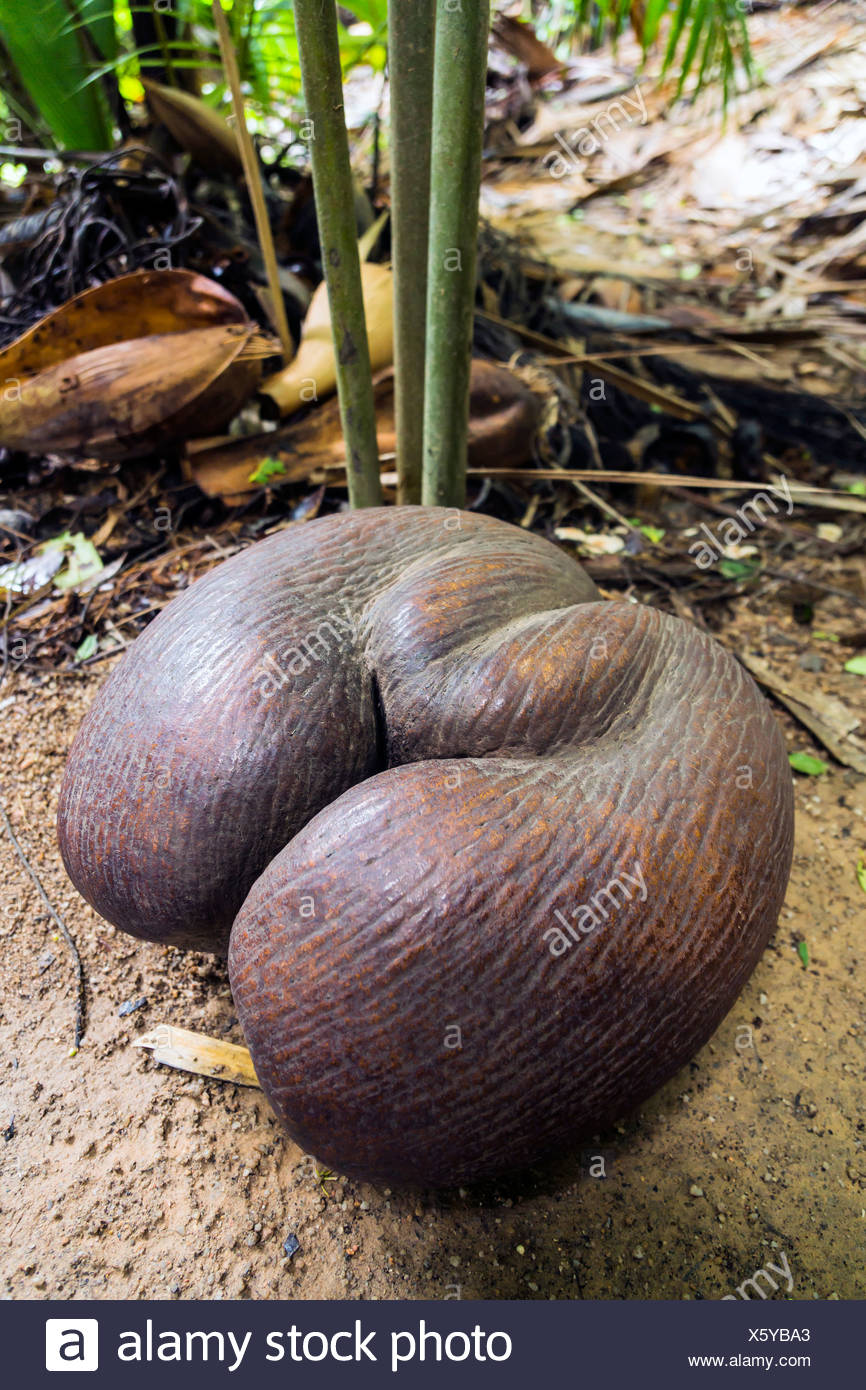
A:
[705,39]
[64,52]
[52,59]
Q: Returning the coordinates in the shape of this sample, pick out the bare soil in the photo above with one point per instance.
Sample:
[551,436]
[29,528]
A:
[123,1179]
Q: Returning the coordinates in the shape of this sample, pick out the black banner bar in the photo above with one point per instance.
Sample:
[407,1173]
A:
[421,1344]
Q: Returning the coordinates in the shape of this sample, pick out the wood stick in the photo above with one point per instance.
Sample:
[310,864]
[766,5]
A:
[253,177]
[195,1052]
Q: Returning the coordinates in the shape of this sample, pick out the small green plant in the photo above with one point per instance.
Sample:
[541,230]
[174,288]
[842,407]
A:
[267,469]
[739,569]
[87,648]
[654,534]
[804,762]
[411,35]
[324,1175]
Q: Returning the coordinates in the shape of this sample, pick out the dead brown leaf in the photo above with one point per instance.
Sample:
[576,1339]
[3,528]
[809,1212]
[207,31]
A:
[521,41]
[132,306]
[197,128]
[127,399]
[136,363]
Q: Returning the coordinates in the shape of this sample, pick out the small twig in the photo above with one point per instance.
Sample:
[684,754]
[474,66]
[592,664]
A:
[801,493]
[587,492]
[798,577]
[140,613]
[727,416]
[4,628]
[81,999]
[600,503]
[720,508]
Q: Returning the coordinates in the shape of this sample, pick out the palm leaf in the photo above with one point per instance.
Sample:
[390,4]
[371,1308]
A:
[679,21]
[693,41]
[53,61]
[655,12]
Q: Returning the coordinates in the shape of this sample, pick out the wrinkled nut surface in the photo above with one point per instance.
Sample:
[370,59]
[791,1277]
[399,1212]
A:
[499,855]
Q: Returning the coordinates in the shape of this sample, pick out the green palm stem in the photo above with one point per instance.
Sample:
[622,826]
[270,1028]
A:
[318,48]
[410,65]
[459,70]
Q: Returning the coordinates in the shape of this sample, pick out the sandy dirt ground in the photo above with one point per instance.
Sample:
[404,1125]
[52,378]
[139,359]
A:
[123,1179]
